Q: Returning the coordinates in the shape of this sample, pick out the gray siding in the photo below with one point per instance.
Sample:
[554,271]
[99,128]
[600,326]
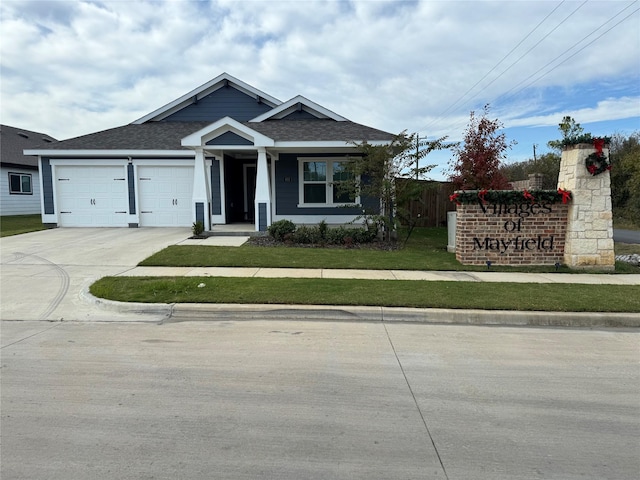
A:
[224,102]
[299,115]
[262,217]
[200,212]
[216,195]
[229,138]
[19,203]
[287,191]
[132,189]
[47,186]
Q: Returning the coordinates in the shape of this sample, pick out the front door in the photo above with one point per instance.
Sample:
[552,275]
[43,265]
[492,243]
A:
[249,192]
[240,188]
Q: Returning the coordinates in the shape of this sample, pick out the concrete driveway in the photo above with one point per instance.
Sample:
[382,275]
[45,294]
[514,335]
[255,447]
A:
[44,273]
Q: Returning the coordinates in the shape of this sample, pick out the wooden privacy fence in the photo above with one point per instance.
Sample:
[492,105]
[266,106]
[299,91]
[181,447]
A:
[430,210]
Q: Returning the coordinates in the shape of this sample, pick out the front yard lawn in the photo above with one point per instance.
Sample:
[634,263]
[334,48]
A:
[426,250]
[392,293]
[17,224]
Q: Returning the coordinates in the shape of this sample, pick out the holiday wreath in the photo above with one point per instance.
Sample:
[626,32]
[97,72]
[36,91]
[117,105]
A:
[597,162]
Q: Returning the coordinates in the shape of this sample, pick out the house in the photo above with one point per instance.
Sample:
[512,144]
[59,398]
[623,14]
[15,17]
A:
[225,152]
[19,181]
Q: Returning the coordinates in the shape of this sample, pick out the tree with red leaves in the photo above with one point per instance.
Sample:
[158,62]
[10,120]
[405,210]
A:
[478,158]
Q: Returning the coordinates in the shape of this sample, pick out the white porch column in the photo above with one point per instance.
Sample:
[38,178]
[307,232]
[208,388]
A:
[263,193]
[201,191]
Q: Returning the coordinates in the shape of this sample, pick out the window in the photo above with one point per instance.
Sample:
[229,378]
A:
[20,184]
[319,183]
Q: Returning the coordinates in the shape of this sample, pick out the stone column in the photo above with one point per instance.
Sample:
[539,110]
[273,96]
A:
[589,239]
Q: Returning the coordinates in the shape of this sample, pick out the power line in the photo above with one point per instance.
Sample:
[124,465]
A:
[563,53]
[493,68]
[506,94]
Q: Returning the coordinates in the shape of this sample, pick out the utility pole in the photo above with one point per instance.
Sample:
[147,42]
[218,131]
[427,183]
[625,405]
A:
[535,160]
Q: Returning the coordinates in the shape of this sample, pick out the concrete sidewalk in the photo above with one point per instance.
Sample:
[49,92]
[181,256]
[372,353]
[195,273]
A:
[447,276]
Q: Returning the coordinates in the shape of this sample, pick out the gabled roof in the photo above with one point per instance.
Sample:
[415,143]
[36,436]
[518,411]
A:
[295,104]
[224,125]
[14,140]
[167,136]
[202,91]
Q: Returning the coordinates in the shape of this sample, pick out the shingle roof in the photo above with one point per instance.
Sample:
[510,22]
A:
[167,135]
[317,130]
[14,140]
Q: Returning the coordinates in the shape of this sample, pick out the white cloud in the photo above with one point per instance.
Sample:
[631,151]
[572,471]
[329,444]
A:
[71,68]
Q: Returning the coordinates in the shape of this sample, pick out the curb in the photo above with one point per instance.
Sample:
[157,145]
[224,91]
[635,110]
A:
[187,312]
[183,312]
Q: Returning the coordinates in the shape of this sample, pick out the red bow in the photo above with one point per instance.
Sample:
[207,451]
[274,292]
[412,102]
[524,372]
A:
[598,144]
[566,195]
[528,196]
[454,198]
[481,195]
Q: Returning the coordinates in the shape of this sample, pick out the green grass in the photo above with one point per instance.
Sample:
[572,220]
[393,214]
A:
[627,249]
[426,250]
[17,224]
[393,293]
[625,224]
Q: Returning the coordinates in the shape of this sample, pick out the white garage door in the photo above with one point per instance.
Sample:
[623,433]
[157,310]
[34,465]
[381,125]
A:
[165,195]
[92,196]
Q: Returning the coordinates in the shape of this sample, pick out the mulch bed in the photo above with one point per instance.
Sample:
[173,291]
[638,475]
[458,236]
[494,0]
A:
[267,241]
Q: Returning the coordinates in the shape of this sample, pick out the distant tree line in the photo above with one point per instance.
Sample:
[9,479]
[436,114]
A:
[478,162]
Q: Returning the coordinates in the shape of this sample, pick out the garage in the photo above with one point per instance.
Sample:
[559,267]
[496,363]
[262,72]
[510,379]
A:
[165,195]
[91,196]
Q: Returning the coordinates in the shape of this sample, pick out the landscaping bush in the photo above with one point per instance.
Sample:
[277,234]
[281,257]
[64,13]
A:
[348,236]
[280,229]
[197,228]
[306,235]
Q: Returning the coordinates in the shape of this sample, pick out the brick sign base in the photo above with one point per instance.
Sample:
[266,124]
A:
[519,234]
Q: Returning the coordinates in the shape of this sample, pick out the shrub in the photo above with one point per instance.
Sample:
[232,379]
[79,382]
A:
[336,235]
[349,236]
[278,230]
[322,228]
[197,228]
[306,234]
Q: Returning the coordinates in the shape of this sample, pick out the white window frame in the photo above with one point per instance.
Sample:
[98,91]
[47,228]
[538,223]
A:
[21,192]
[328,182]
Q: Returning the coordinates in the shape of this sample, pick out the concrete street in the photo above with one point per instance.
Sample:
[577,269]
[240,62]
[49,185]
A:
[317,400]
[626,236]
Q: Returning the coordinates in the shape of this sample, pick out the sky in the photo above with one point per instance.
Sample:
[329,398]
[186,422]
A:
[70,68]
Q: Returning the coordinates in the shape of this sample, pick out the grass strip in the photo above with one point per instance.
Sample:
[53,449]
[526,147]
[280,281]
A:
[17,224]
[392,293]
[362,259]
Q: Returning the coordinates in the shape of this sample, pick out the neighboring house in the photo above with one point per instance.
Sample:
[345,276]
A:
[19,180]
[223,153]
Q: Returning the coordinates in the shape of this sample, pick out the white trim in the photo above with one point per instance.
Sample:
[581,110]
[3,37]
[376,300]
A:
[328,182]
[291,106]
[111,153]
[272,177]
[223,193]
[81,162]
[151,162]
[204,90]
[226,124]
[325,144]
